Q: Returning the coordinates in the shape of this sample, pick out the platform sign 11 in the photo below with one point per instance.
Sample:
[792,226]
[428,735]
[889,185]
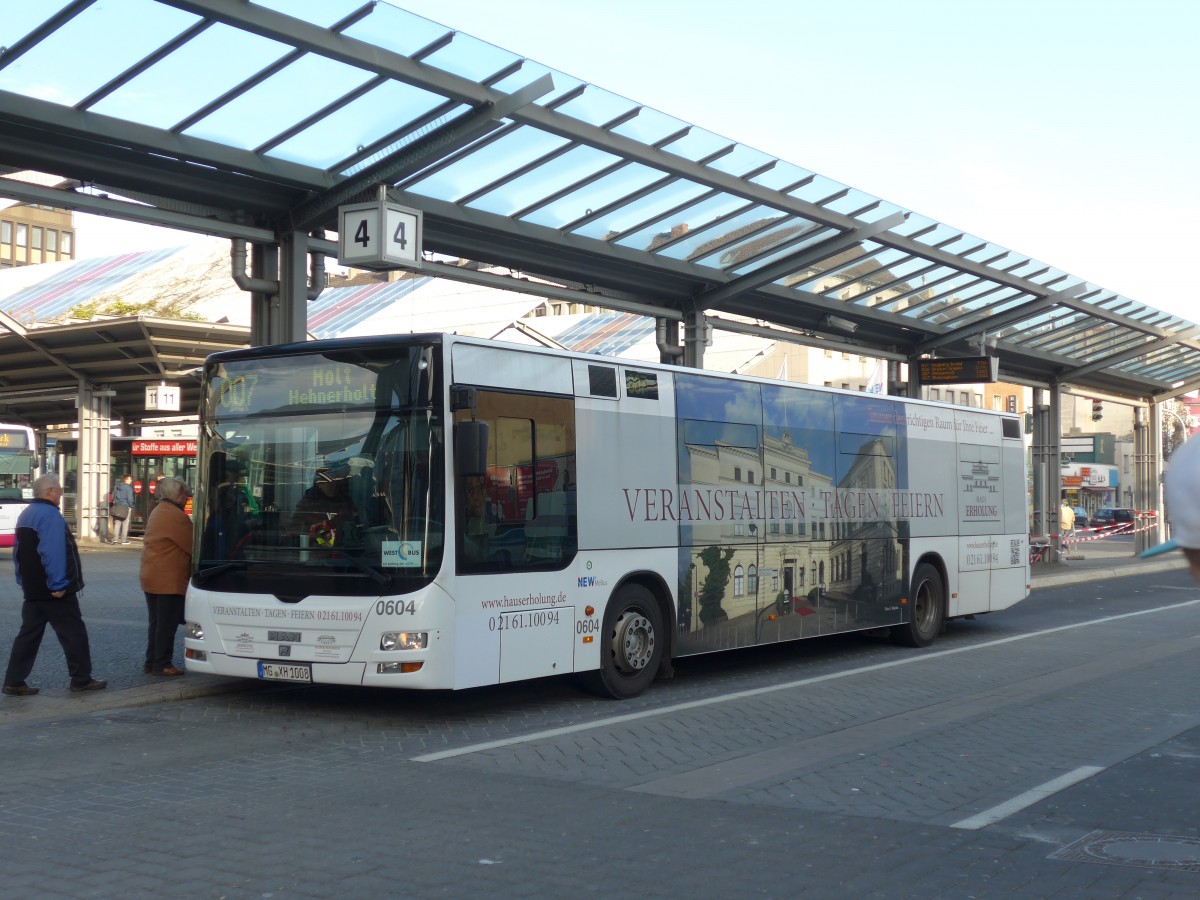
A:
[379,235]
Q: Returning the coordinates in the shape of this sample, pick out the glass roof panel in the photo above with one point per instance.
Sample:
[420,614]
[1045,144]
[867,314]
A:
[726,255]
[101,35]
[573,166]
[790,243]
[937,234]
[394,29]
[649,126]
[383,152]
[754,217]
[684,220]
[781,175]
[741,160]
[596,106]
[22,18]
[926,281]
[169,91]
[489,162]
[697,144]
[357,124]
[852,201]
[820,188]
[1060,279]
[578,203]
[644,209]
[968,308]
[990,251]
[292,94]
[471,58]
[530,72]
[324,13]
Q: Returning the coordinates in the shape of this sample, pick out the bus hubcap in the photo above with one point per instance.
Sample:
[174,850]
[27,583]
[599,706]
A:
[633,642]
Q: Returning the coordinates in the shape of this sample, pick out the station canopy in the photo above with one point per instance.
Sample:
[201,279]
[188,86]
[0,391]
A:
[270,115]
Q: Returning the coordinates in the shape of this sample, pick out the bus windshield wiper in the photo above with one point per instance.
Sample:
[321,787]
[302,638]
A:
[204,575]
[377,576]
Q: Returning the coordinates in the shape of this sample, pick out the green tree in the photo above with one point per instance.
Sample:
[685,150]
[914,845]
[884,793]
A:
[712,592]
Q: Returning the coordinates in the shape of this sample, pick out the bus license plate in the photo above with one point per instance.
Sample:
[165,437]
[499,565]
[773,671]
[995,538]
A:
[285,672]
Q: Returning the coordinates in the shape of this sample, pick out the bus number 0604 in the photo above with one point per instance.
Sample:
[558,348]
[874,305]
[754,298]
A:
[395,608]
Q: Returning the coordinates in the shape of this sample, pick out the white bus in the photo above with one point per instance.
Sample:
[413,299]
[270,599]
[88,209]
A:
[431,511]
[18,468]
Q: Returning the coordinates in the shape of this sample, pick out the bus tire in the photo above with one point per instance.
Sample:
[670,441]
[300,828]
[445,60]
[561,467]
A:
[927,609]
[631,645]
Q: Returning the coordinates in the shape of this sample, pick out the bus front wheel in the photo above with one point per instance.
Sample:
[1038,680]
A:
[631,645]
[926,609]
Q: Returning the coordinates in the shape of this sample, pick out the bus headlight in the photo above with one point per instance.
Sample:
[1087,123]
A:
[195,630]
[404,640]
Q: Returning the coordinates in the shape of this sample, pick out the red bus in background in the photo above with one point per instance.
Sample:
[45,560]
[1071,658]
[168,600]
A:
[146,459]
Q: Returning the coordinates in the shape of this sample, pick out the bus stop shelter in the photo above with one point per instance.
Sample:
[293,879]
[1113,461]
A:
[235,119]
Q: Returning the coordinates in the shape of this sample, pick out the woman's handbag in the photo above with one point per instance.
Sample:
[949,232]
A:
[119,511]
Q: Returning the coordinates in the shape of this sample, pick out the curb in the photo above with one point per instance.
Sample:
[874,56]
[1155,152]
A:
[60,703]
[1104,573]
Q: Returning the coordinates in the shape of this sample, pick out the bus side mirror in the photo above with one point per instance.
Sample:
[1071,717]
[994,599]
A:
[470,449]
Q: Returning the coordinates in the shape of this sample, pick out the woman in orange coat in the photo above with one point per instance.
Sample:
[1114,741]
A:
[166,567]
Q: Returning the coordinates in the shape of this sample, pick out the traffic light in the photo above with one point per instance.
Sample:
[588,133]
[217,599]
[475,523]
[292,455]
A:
[1097,411]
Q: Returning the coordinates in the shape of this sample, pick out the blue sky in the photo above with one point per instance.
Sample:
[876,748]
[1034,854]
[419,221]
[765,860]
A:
[1061,129]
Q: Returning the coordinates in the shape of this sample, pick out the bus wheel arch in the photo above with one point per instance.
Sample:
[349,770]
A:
[927,599]
[634,641]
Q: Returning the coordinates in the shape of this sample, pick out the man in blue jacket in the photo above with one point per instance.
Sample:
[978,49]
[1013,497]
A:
[51,577]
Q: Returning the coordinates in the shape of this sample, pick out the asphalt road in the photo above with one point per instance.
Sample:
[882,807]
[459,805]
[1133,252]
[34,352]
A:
[1051,749]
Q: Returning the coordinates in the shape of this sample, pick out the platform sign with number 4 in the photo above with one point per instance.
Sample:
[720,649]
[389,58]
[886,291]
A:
[379,235]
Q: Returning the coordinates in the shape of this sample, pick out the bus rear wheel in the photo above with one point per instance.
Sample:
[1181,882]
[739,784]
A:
[926,609]
[631,645]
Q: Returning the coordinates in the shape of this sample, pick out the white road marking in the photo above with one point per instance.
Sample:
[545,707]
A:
[1030,797]
[758,692]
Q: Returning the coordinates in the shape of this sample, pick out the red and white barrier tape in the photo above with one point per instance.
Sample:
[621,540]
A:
[1102,531]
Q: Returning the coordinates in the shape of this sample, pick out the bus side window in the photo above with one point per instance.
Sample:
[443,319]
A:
[519,514]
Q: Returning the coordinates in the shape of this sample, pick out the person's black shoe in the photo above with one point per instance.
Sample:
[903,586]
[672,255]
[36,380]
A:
[92,685]
[20,690]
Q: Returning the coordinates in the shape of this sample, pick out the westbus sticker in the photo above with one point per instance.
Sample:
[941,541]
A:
[401,554]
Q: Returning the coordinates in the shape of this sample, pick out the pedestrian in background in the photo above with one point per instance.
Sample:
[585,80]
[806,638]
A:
[1066,520]
[166,567]
[50,574]
[121,508]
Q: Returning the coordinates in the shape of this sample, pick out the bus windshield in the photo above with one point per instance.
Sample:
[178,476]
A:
[322,473]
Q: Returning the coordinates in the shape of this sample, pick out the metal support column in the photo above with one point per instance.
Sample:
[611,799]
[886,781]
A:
[695,334]
[1147,469]
[914,377]
[93,477]
[292,307]
[892,384]
[1157,501]
[1039,465]
[1054,486]
[264,307]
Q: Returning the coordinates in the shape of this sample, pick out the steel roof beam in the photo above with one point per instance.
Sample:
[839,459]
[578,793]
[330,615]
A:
[132,212]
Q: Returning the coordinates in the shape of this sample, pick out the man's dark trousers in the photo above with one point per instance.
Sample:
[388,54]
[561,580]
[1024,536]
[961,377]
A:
[64,617]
